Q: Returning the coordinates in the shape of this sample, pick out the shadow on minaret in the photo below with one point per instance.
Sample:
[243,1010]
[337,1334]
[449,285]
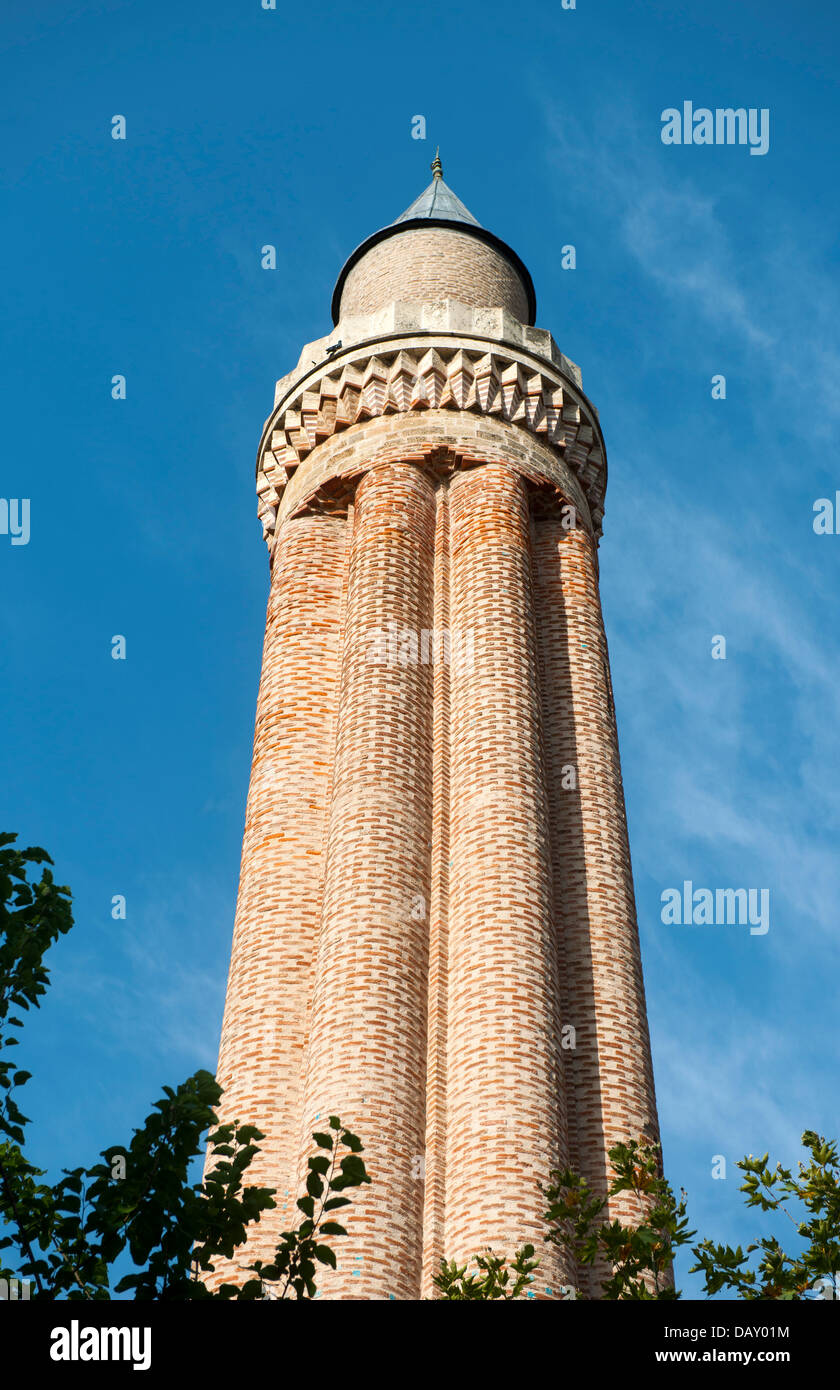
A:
[589,858]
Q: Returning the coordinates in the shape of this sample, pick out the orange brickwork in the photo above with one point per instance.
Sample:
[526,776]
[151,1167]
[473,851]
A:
[435,934]
[447,263]
[279,906]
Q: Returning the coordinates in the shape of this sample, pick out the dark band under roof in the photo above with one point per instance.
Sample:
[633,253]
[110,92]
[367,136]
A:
[438,206]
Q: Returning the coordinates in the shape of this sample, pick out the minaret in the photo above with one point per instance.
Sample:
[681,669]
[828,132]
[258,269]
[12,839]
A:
[436,932]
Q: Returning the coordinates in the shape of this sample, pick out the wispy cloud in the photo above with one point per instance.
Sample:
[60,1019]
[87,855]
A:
[760,280]
[677,237]
[156,988]
[721,781]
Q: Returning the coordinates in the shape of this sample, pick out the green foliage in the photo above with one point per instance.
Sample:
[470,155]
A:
[65,1237]
[292,1272]
[775,1274]
[494,1276]
[32,917]
[71,1232]
[174,1228]
[640,1257]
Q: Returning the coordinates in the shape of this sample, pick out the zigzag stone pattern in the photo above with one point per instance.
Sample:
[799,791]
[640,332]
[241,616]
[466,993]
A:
[446,356]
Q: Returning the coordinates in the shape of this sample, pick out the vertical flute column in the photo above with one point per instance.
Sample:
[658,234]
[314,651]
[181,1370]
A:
[367,1047]
[504,1113]
[279,905]
[609,1072]
[435,1154]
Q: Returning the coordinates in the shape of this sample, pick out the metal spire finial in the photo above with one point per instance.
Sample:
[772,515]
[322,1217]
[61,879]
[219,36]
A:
[437,167]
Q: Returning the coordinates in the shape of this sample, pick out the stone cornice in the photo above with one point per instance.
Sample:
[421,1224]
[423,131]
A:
[440,440]
[409,358]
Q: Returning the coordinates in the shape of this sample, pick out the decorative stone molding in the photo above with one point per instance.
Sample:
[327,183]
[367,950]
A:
[445,316]
[411,358]
[439,441]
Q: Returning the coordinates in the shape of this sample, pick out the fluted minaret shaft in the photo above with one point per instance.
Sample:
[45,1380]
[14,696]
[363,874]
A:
[436,935]
[505,1128]
[279,906]
[608,1070]
[367,1046]
[434,1166]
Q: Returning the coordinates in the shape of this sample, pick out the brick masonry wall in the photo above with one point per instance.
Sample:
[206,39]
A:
[466,438]
[367,1047]
[609,1077]
[423,906]
[279,905]
[433,263]
[465,904]
[436,1060]
[504,1100]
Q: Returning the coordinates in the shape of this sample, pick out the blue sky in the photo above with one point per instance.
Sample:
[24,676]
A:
[142,257]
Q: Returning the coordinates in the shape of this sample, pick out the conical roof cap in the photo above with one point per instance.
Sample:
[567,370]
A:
[437,206]
[440,202]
